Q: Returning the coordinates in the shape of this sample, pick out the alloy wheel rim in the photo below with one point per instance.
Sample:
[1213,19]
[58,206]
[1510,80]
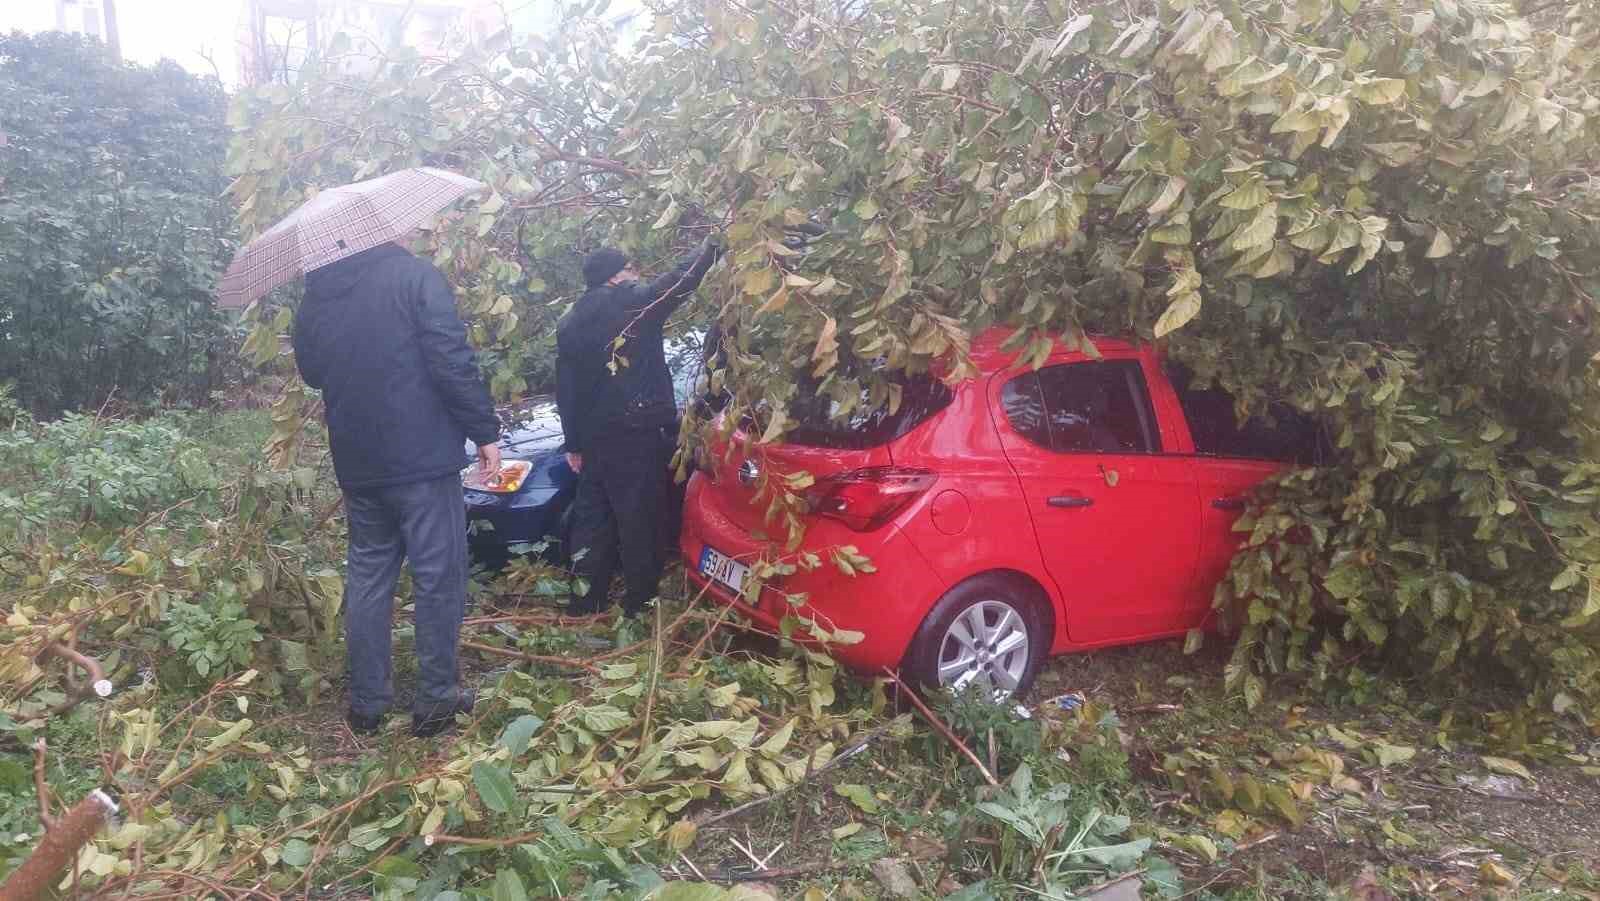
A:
[988,641]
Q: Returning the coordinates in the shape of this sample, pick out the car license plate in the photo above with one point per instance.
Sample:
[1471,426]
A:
[723,569]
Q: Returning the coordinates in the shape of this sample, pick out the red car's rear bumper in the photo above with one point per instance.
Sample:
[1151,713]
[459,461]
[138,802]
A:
[886,607]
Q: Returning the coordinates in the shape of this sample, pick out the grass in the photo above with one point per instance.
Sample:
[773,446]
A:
[1360,788]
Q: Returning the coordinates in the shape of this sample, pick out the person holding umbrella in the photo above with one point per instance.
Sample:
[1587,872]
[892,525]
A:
[378,334]
[614,396]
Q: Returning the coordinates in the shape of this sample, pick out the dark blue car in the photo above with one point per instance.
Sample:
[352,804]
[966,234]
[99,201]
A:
[530,506]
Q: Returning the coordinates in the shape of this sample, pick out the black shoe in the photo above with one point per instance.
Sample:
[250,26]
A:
[363,724]
[424,727]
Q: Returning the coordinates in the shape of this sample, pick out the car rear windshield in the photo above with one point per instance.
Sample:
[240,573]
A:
[819,425]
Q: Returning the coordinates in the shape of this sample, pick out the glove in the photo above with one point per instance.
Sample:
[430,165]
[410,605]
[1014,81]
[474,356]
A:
[712,246]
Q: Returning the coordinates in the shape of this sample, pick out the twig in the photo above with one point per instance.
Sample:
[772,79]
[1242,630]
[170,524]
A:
[748,853]
[1255,842]
[1088,890]
[692,867]
[655,676]
[439,838]
[787,873]
[838,759]
[531,658]
[1157,708]
[41,787]
[941,728]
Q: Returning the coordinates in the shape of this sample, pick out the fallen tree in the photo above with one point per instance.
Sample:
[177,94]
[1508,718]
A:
[1382,214]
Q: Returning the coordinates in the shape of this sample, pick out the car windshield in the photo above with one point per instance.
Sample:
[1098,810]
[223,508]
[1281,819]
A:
[820,423]
[684,354]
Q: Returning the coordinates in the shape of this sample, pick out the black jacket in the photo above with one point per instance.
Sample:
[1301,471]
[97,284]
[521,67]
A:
[379,334]
[596,403]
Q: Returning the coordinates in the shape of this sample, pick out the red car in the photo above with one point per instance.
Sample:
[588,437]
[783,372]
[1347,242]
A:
[1018,514]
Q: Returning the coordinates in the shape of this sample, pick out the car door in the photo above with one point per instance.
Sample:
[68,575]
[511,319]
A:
[1116,520]
[1231,459]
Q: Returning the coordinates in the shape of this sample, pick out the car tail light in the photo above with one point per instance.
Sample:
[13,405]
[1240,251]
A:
[510,477]
[866,499]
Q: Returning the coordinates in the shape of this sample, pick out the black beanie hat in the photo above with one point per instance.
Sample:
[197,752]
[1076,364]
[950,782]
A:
[598,267]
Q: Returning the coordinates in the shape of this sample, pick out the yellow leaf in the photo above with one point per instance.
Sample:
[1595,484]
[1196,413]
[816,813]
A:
[775,302]
[774,427]
[1442,245]
[827,340]
[1247,196]
[1183,308]
[1169,195]
[1260,230]
[1381,91]
[137,564]
[681,835]
[1507,767]
[1516,114]
[1495,873]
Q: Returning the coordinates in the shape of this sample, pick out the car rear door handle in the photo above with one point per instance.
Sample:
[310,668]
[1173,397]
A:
[1070,501]
[1228,503]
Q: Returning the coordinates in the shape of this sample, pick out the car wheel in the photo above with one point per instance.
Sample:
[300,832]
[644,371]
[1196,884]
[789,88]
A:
[488,557]
[987,629]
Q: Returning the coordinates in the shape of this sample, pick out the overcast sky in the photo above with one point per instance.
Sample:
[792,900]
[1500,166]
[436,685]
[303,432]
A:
[186,31]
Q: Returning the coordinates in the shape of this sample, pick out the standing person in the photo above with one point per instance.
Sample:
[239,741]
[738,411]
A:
[378,333]
[617,410]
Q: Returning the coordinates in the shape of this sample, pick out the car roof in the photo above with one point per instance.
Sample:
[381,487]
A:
[988,356]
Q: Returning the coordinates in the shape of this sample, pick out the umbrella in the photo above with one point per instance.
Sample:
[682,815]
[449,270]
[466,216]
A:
[338,223]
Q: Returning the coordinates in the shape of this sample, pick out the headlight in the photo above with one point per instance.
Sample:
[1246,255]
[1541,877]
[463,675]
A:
[510,477]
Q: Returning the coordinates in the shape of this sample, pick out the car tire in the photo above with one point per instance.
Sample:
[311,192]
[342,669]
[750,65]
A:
[974,631]
[491,558]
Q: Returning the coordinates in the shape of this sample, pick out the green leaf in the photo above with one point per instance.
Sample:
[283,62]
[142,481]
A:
[1254,690]
[494,786]
[508,887]
[690,891]
[605,718]
[295,853]
[1199,845]
[1388,755]
[518,733]
[1123,856]
[859,795]
[1566,578]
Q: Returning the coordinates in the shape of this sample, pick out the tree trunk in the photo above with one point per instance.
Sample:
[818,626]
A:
[113,36]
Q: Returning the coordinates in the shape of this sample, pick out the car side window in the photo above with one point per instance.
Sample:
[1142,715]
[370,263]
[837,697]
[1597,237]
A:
[1280,433]
[1023,401]
[1099,407]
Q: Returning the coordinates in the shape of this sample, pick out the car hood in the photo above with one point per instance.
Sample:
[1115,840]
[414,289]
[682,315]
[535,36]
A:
[532,430]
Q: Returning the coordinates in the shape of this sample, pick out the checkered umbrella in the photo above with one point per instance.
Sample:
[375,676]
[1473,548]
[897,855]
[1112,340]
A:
[337,223]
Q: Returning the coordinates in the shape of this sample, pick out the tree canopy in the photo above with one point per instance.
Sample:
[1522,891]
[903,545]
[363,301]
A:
[1380,213]
[113,227]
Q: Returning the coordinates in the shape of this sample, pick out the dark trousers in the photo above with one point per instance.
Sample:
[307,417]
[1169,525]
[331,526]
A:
[425,523]
[621,512]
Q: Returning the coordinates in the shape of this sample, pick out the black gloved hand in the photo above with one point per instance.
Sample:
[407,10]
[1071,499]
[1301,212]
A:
[712,245]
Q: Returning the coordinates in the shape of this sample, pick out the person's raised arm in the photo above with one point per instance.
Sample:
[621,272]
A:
[450,360]
[667,292]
